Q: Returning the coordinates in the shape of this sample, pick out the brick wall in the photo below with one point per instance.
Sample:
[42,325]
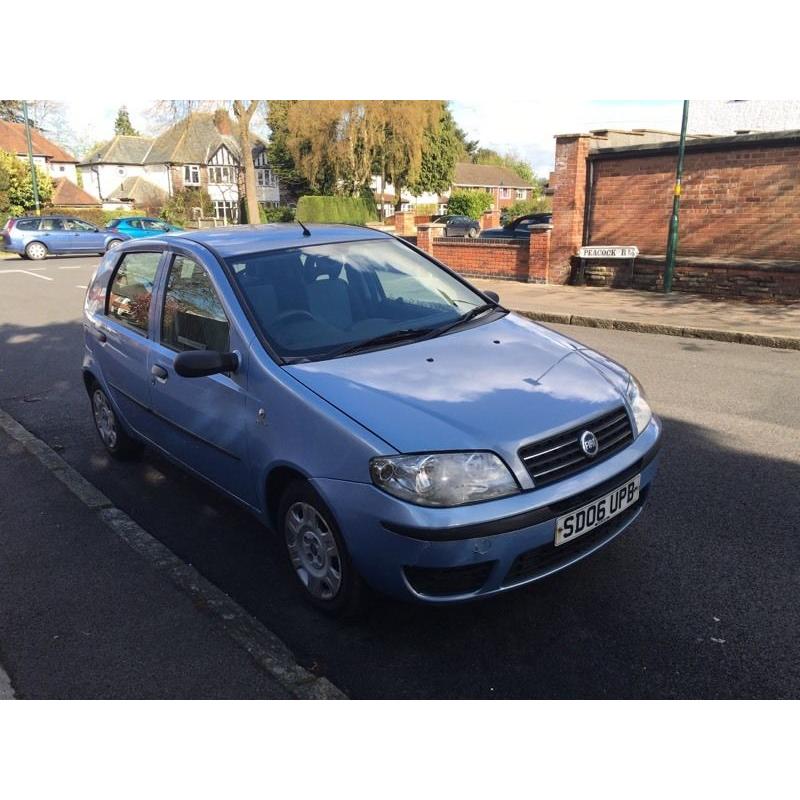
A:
[751,280]
[506,259]
[742,203]
[569,198]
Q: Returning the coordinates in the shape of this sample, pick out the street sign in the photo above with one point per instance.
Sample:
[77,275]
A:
[608,251]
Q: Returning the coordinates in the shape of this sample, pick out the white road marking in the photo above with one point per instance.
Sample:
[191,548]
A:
[72,267]
[78,286]
[24,272]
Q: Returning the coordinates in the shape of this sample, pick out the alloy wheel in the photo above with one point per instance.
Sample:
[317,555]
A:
[104,419]
[313,551]
[36,251]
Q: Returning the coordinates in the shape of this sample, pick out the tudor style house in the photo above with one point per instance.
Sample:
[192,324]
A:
[200,151]
[503,184]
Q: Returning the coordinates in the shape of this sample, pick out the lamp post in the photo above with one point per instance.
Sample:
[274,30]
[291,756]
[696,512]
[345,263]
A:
[30,156]
[672,237]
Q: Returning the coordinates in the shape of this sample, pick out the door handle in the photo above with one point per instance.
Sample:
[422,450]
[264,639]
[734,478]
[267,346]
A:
[159,373]
[97,332]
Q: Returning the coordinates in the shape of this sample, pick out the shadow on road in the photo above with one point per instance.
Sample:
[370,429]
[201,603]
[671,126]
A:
[698,599]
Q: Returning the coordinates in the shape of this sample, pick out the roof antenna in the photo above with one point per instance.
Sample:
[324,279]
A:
[306,231]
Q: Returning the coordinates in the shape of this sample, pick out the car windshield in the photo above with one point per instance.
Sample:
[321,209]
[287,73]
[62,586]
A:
[315,301]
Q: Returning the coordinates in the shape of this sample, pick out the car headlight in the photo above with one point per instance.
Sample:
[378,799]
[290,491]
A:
[443,479]
[639,405]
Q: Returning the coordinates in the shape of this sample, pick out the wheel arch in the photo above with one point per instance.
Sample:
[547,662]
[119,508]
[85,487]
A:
[278,478]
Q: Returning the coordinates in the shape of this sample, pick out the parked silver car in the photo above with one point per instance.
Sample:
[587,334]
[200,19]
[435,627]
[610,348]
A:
[38,237]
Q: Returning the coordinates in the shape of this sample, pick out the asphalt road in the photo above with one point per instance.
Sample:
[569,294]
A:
[698,599]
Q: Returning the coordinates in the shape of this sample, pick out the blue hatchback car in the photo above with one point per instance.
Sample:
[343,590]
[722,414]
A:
[142,227]
[395,426]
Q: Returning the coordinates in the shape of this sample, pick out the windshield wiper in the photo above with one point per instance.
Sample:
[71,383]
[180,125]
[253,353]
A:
[384,338]
[471,314]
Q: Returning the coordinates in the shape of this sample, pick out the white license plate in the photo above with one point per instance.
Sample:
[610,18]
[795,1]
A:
[588,517]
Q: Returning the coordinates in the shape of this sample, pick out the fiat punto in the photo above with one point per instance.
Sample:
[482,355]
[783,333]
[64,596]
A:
[396,427]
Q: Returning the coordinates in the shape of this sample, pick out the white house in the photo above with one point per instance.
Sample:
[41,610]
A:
[199,151]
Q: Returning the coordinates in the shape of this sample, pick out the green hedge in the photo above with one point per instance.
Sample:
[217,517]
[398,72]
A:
[350,210]
[97,216]
[277,214]
[469,203]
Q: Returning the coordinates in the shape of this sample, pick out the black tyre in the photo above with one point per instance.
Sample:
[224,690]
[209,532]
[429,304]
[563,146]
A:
[317,553]
[473,233]
[115,439]
[35,251]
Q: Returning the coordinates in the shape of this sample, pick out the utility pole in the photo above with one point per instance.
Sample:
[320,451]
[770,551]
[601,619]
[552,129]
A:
[30,156]
[672,238]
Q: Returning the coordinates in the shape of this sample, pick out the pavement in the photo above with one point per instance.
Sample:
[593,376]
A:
[697,600]
[676,314]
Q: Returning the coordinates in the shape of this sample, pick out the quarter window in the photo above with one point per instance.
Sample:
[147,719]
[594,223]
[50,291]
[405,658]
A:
[132,290]
[191,174]
[193,317]
[28,225]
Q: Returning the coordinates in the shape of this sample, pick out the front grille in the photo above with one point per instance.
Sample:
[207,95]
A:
[560,456]
[547,556]
[443,581]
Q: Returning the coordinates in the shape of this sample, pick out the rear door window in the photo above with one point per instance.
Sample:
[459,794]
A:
[193,317]
[51,225]
[132,290]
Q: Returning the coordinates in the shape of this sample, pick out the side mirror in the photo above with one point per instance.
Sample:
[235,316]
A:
[492,296]
[198,363]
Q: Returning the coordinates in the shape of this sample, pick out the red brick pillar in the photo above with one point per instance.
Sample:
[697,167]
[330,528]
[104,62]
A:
[539,254]
[569,202]
[490,219]
[426,233]
[404,223]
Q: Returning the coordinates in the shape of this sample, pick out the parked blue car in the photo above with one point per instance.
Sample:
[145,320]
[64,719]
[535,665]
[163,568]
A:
[38,237]
[141,227]
[395,426]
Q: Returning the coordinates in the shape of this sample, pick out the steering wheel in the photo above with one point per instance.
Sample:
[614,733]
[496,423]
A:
[293,312]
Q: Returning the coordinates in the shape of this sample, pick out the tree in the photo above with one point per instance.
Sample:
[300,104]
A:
[441,150]
[407,122]
[244,115]
[337,145]
[469,203]
[16,187]
[123,125]
[293,182]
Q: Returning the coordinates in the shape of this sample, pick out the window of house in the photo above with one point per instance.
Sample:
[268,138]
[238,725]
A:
[193,317]
[224,174]
[521,194]
[226,210]
[191,174]
[132,290]
[263,177]
[505,192]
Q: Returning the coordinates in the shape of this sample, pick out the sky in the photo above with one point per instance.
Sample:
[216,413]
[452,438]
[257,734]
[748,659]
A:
[525,127]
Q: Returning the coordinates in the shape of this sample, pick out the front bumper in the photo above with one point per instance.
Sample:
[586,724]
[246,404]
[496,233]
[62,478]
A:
[446,555]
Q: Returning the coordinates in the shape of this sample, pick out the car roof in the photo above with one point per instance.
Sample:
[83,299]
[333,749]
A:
[241,239]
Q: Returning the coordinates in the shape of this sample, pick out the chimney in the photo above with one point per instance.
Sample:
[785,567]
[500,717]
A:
[223,122]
